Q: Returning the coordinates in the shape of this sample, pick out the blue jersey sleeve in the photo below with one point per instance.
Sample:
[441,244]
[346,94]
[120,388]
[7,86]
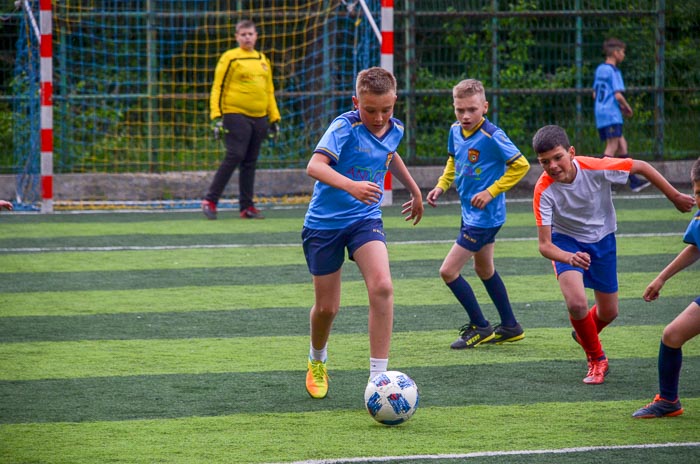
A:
[692,233]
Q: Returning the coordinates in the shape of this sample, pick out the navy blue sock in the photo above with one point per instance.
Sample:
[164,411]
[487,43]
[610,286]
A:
[497,291]
[670,360]
[465,295]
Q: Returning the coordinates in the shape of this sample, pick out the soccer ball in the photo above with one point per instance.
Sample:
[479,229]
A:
[391,397]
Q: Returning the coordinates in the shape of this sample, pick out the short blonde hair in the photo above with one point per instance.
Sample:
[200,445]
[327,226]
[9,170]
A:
[375,80]
[467,88]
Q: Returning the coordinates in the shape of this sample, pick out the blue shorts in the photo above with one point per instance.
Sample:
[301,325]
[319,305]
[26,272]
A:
[474,238]
[602,273]
[697,300]
[610,132]
[325,249]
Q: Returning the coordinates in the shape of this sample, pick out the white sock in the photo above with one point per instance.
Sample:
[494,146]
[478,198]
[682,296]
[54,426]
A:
[377,366]
[318,355]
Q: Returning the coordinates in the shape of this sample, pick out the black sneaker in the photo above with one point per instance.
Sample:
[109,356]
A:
[502,334]
[471,336]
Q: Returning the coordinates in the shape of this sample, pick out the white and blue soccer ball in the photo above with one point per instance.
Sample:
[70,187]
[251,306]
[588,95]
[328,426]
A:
[391,397]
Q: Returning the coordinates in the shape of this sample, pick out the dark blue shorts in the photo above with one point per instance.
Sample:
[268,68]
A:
[474,238]
[697,300]
[602,274]
[325,249]
[610,132]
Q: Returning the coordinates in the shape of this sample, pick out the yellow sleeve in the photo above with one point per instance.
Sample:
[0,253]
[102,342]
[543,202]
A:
[273,112]
[515,171]
[448,174]
[215,97]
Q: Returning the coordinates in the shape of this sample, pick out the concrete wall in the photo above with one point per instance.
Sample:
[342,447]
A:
[269,183]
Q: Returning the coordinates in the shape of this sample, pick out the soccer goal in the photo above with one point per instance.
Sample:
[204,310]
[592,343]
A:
[131,84]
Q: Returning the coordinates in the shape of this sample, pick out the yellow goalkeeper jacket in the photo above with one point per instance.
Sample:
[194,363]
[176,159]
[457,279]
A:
[243,85]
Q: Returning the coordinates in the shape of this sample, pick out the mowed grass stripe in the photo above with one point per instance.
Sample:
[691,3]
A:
[436,430]
[76,359]
[266,275]
[294,321]
[445,217]
[280,392]
[281,255]
[415,291]
[426,233]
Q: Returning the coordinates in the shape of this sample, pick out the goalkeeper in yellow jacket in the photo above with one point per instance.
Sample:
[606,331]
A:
[243,113]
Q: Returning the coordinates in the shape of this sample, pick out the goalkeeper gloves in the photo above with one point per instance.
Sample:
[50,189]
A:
[217,127]
[273,132]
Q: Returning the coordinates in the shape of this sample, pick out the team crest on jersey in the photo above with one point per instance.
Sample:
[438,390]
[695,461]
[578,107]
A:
[264,66]
[389,157]
[473,155]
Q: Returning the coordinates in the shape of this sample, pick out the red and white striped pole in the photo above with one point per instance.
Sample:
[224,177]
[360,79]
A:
[46,72]
[387,62]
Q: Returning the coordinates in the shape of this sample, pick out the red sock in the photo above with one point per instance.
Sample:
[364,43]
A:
[588,335]
[599,323]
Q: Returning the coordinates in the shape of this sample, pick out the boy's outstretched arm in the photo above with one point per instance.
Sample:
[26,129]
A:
[685,258]
[549,250]
[683,203]
[319,168]
[415,204]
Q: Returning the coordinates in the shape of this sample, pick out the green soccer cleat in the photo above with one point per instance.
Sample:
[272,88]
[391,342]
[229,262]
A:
[471,336]
[317,379]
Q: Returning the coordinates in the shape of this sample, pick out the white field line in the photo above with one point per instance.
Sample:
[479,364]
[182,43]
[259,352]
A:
[426,457]
[265,245]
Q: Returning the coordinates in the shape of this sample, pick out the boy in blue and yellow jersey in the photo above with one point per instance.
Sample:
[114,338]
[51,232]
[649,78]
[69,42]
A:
[483,164]
[576,224]
[349,164]
[243,110]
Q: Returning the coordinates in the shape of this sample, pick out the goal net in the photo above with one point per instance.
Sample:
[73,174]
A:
[132,80]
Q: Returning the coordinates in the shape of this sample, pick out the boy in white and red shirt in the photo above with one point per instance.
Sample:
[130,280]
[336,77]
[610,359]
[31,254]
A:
[576,225]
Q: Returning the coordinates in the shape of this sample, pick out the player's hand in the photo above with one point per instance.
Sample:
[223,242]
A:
[580,259]
[683,203]
[365,191]
[481,199]
[433,195]
[273,132]
[627,111]
[217,128]
[415,207]
[652,291]
[5,205]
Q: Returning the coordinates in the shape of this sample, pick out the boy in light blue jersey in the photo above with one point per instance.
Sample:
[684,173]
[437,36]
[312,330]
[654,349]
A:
[611,105]
[684,327]
[349,164]
[483,164]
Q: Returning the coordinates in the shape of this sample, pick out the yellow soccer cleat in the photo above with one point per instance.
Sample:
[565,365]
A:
[317,379]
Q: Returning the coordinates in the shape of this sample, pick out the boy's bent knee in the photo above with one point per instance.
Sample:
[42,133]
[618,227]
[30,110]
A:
[672,338]
[578,312]
[448,275]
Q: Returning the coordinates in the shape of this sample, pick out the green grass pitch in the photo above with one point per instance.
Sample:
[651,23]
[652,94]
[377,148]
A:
[166,338]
